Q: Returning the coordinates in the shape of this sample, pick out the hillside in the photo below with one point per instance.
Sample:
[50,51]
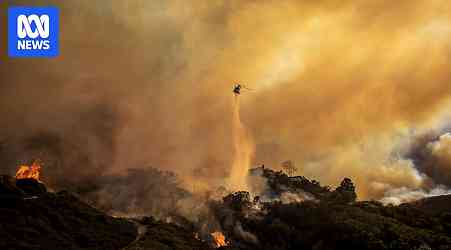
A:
[32,218]
[319,218]
[330,219]
[434,205]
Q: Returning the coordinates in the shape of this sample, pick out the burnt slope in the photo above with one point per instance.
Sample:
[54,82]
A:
[158,235]
[32,218]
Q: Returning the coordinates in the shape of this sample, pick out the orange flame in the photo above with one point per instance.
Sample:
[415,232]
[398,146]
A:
[29,172]
[219,239]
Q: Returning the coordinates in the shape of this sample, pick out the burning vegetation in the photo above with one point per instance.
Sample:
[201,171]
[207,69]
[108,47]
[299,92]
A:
[219,239]
[30,172]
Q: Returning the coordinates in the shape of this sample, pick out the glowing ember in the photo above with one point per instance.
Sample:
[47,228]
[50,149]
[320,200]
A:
[219,239]
[29,172]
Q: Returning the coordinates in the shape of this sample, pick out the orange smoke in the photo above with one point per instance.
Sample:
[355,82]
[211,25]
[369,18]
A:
[29,172]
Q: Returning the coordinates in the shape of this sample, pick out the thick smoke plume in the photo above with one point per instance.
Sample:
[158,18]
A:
[339,85]
[441,156]
[431,154]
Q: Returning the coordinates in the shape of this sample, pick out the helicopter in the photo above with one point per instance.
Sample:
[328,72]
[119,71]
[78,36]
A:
[237,88]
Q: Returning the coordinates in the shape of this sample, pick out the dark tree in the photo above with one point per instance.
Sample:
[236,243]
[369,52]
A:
[346,191]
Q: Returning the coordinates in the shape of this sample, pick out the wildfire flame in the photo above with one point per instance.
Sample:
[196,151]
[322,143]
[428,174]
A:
[29,172]
[219,239]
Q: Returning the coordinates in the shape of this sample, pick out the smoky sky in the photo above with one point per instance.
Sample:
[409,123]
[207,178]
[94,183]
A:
[141,83]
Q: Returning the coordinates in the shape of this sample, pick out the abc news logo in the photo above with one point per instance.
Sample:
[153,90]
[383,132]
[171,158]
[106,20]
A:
[33,31]
[24,30]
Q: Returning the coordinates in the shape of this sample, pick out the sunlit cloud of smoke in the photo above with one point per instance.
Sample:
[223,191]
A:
[334,83]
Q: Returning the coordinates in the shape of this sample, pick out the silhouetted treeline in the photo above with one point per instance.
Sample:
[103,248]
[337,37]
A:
[333,220]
